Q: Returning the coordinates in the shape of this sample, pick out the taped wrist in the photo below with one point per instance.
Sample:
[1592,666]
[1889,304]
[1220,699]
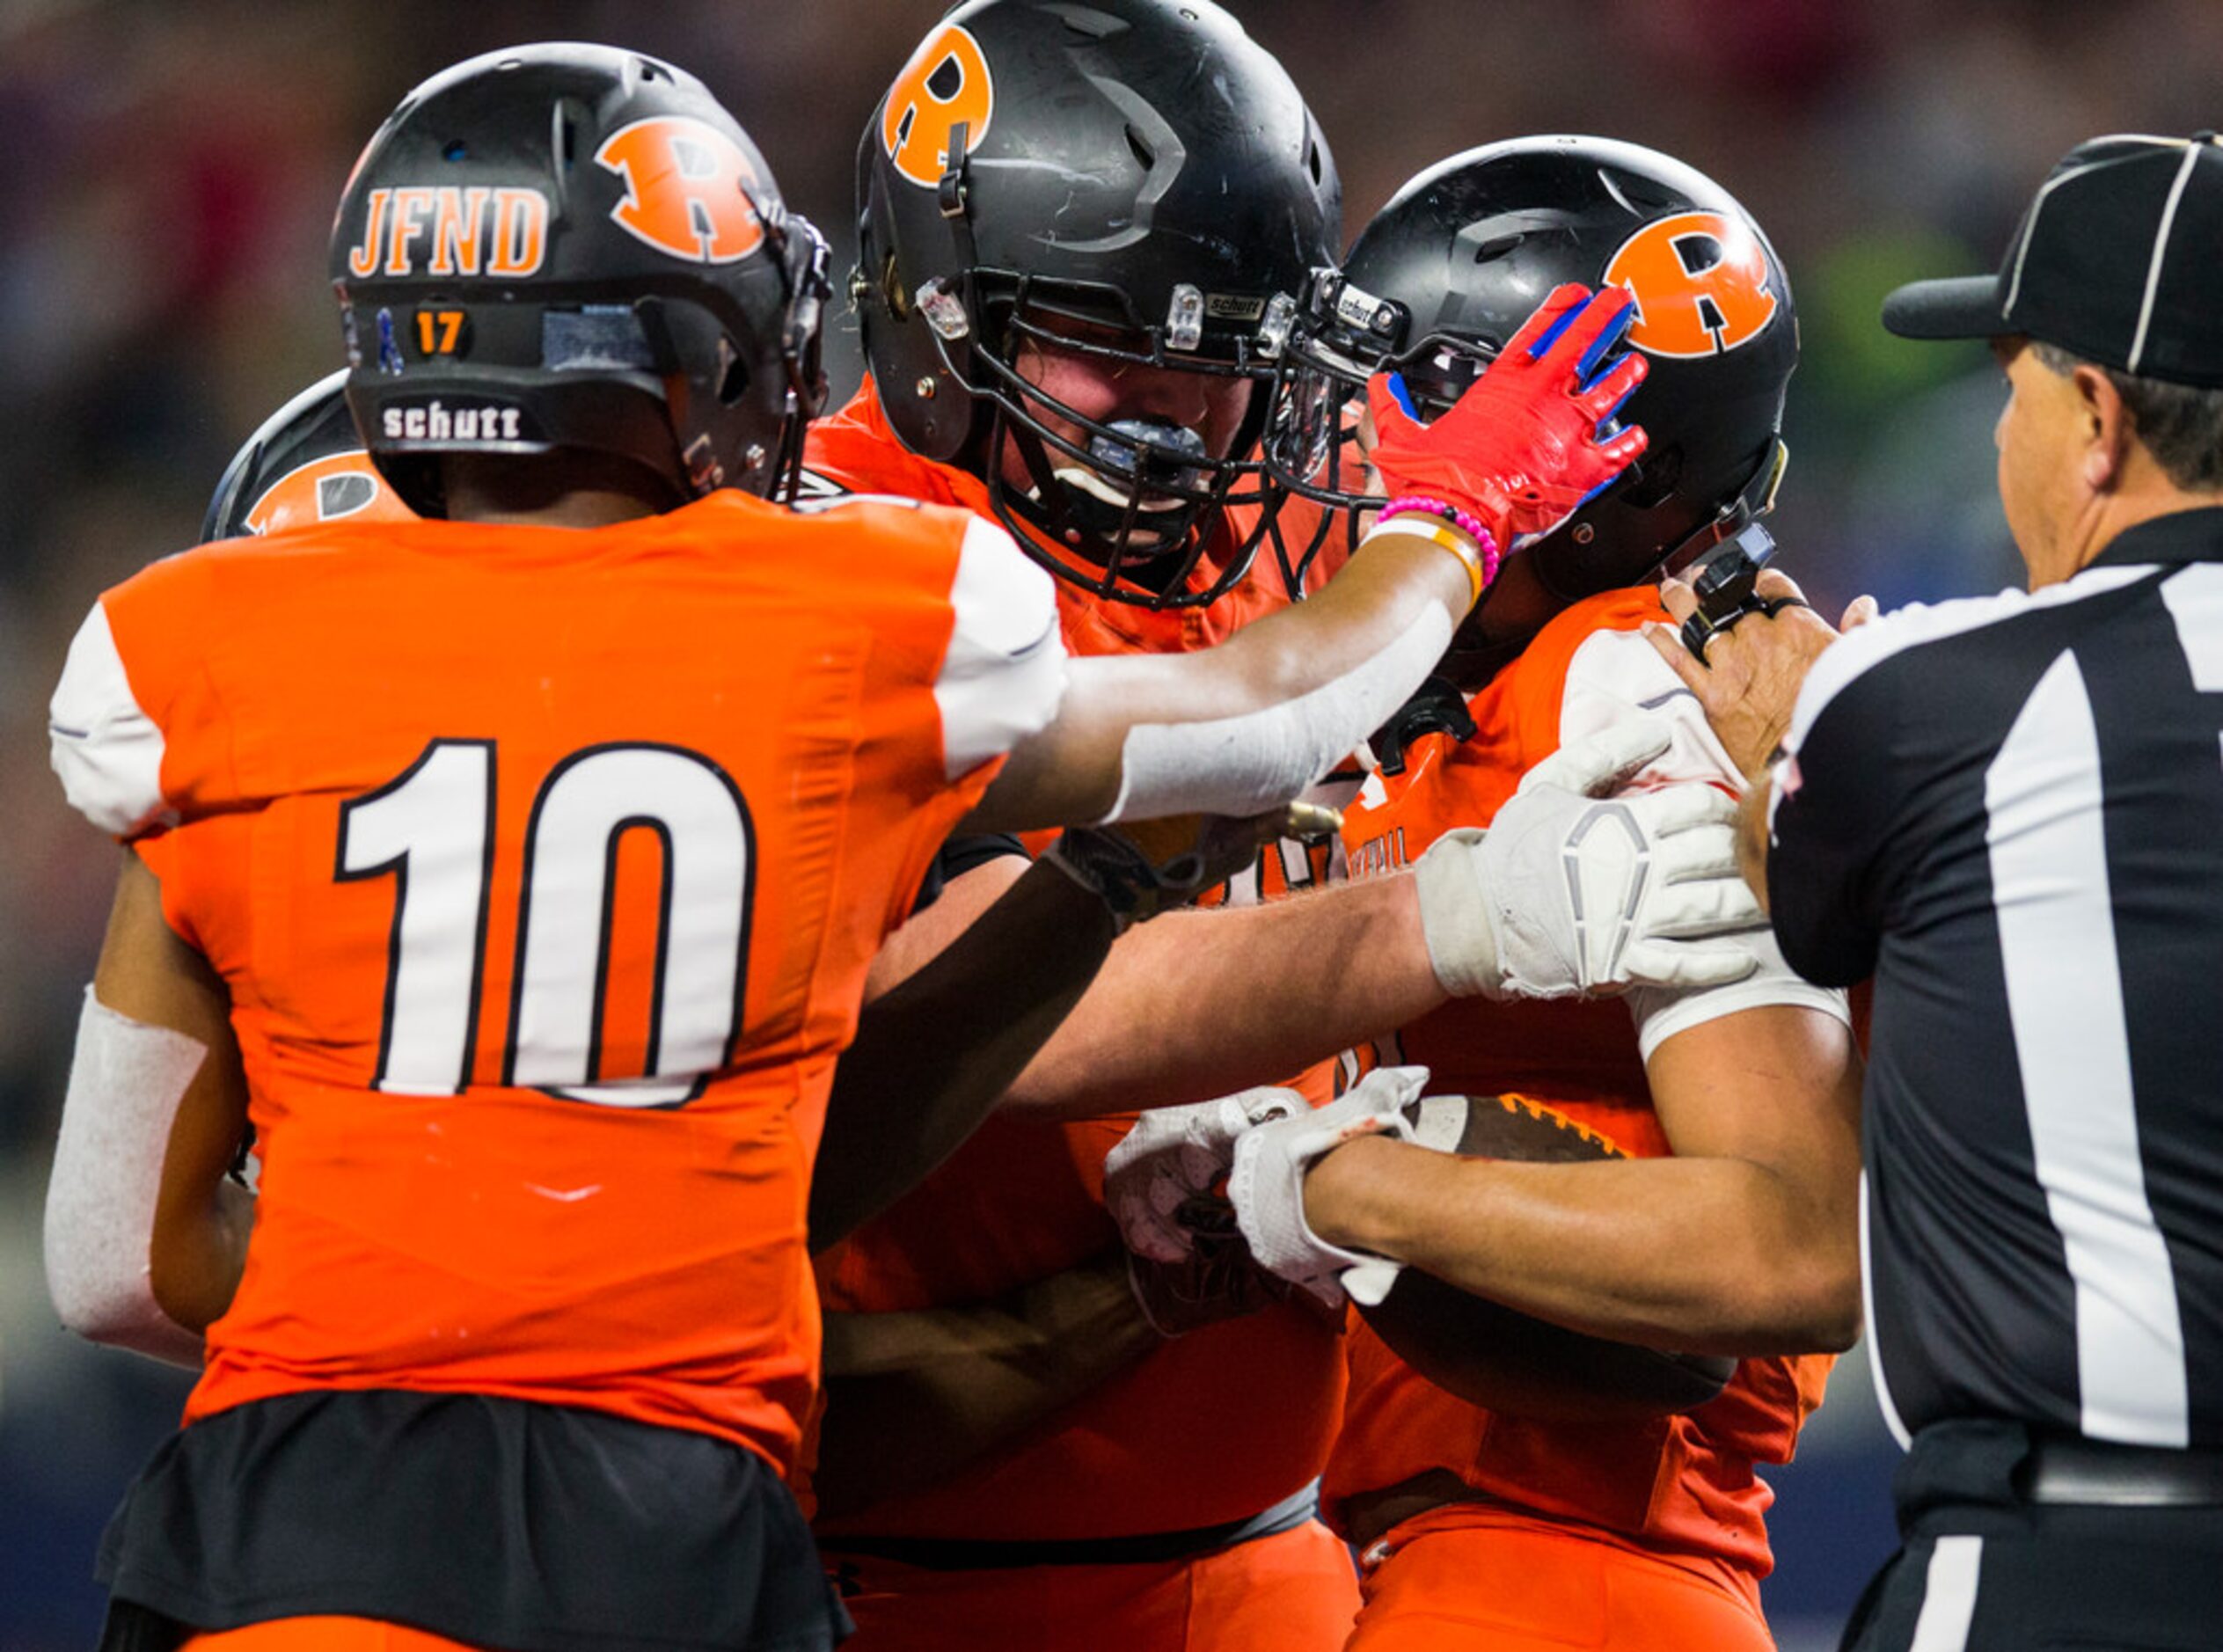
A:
[1455,918]
[125,1081]
[1249,764]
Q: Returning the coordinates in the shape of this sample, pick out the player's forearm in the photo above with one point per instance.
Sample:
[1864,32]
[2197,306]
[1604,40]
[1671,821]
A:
[933,1053]
[146,1238]
[1394,582]
[202,1216]
[911,1396]
[1247,725]
[198,1254]
[1697,1255]
[1357,621]
[1197,1005]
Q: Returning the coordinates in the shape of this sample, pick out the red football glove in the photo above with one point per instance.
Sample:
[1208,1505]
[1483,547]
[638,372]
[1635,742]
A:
[1520,449]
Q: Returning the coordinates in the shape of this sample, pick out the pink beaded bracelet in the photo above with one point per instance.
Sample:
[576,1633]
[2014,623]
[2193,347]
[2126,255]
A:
[1466,522]
[1449,512]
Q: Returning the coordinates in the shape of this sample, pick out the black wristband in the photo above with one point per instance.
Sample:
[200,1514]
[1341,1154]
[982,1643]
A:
[1109,864]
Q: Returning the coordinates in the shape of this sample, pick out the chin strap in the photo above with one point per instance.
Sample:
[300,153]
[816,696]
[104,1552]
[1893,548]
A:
[1756,499]
[807,259]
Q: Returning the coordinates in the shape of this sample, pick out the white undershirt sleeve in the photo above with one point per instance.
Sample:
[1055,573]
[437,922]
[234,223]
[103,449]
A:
[1660,1013]
[1004,671]
[105,748]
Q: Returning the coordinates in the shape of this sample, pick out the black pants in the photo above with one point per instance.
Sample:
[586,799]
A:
[495,1522]
[1980,1568]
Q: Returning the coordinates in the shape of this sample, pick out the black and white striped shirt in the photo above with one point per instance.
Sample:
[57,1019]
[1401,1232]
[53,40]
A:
[2011,811]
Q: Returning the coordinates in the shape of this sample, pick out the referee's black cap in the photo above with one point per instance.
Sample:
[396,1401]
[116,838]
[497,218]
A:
[2115,261]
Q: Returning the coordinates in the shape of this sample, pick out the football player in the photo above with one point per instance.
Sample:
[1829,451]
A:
[1076,224]
[1733,1230]
[1073,225]
[515,872]
[987,1003]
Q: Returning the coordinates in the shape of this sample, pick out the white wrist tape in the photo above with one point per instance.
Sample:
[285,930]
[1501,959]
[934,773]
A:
[1250,763]
[1455,914]
[125,1081]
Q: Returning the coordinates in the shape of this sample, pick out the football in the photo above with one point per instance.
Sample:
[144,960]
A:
[1499,1357]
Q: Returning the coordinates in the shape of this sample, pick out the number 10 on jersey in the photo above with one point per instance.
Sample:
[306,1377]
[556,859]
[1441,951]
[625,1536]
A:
[431,828]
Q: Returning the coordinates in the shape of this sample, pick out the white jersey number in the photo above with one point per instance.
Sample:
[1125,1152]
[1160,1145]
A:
[431,828]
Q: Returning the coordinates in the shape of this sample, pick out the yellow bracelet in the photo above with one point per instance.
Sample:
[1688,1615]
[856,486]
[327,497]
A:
[1456,541]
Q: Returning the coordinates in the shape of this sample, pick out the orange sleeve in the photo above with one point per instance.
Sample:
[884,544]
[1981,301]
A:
[168,620]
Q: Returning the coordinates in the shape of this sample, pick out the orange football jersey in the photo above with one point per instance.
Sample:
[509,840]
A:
[544,867]
[1683,1483]
[1213,1427]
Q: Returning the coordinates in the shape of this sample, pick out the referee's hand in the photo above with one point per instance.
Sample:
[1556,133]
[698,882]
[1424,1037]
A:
[1749,679]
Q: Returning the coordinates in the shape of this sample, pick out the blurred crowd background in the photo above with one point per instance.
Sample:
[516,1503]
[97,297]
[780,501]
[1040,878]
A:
[163,221]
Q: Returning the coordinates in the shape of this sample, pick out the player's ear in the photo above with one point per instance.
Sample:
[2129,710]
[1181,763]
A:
[2105,425]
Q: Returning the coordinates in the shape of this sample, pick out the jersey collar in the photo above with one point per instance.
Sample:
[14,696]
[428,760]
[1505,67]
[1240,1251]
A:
[2182,536]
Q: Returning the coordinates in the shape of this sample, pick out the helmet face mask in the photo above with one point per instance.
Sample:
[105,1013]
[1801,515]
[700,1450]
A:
[572,259]
[1312,445]
[1119,503]
[1446,272]
[1098,211]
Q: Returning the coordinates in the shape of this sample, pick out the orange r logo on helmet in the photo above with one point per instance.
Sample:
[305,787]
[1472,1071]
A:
[690,190]
[945,81]
[1700,284]
[336,486]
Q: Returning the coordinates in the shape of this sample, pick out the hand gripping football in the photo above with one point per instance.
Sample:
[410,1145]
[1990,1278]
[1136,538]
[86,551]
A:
[1499,1357]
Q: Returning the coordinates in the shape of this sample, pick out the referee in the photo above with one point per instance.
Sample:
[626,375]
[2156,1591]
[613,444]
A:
[2009,811]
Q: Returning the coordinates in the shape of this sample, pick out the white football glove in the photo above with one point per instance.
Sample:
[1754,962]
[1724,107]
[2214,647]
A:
[1265,1185]
[1175,1154]
[1571,891]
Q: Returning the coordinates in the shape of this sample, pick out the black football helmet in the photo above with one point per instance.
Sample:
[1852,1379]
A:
[574,251]
[1135,181]
[1460,258]
[307,464]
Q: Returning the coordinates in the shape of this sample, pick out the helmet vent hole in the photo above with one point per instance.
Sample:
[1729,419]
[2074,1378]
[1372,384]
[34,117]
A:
[948,76]
[651,70]
[1311,162]
[456,151]
[1498,246]
[733,383]
[1650,482]
[1091,25]
[1142,150]
[1638,193]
